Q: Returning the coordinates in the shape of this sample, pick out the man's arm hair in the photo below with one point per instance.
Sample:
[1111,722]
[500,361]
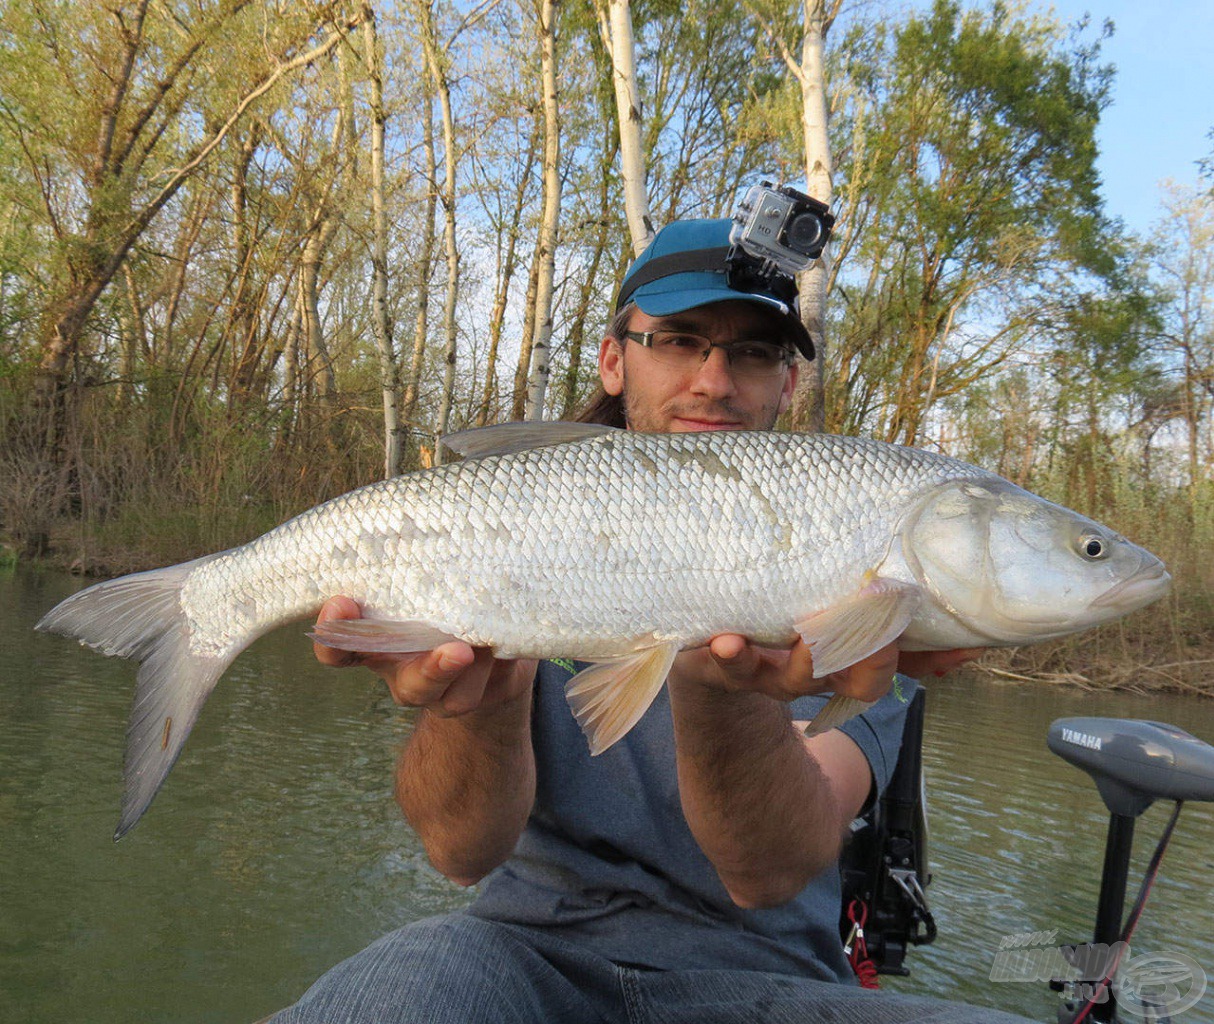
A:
[467,784]
[768,807]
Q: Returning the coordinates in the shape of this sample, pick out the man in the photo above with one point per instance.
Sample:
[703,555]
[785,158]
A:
[686,874]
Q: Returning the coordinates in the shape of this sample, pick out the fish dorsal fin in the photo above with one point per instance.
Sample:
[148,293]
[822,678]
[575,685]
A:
[508,438]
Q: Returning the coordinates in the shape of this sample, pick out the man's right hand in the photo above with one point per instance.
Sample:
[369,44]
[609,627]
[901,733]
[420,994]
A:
[466,777]
[453,679]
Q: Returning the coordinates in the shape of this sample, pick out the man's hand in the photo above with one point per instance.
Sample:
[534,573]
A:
[730,662]
[918,664]
[453,679]
[767,806]
[466,778]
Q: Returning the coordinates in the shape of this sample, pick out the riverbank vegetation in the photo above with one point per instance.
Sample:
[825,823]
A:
[250,258]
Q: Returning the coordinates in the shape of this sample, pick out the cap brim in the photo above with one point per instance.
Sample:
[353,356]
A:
[676,300]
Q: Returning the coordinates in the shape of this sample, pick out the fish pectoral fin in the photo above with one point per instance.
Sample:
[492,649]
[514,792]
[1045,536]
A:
[379,636]
[609,698]
[836,711]
[854,628]
[508,438]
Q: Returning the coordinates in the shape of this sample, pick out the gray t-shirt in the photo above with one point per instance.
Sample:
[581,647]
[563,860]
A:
[607,858]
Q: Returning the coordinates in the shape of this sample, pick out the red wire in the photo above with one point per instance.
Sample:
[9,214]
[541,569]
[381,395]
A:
[1135,913]
[863,967]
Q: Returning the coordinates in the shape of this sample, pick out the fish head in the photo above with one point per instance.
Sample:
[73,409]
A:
[1009,567]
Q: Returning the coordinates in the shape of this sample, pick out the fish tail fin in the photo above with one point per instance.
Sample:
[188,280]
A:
[141,617]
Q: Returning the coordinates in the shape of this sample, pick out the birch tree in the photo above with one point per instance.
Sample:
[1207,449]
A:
[437,66]
[549,218]
[809,408]
[389,370]
[805,61]
[615,27]
[425,261]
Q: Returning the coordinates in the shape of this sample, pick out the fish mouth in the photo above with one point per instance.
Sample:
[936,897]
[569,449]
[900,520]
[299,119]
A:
[1147,585]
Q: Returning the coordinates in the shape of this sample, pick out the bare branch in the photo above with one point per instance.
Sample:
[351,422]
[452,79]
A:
[179,175]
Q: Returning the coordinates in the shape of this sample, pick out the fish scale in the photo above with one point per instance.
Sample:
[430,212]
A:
[545,569]
[606,546]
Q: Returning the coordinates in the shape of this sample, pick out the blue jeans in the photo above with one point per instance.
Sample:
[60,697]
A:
[459,969]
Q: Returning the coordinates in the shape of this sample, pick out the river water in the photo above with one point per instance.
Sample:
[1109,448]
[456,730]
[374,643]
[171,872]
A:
[275,848]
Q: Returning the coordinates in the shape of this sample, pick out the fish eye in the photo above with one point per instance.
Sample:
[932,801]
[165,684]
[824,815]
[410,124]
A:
[1093,548]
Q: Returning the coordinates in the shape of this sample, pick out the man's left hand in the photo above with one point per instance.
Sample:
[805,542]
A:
[731,662]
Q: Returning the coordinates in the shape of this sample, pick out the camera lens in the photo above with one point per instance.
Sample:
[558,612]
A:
[804,234]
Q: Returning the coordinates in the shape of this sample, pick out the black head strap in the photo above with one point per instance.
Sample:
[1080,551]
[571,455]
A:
[693,260]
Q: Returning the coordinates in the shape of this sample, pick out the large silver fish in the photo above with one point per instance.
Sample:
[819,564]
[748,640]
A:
[623,548]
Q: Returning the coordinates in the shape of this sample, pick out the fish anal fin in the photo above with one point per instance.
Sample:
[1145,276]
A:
[380,636]
[609,698]
[509,438]
[855,627]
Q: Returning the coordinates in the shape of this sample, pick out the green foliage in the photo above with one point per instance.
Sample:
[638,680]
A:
[970,191]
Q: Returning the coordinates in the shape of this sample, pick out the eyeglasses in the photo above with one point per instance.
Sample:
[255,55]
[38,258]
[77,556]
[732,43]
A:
[688,351]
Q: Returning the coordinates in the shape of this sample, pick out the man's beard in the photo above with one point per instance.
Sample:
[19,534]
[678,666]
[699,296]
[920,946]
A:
[645,420]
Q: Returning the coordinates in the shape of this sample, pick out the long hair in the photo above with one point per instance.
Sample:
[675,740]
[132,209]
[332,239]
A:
[601,407]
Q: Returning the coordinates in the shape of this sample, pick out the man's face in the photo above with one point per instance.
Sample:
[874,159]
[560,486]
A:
[659,398]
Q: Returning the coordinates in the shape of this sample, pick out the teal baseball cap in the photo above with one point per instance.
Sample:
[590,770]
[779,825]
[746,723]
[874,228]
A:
[687,265]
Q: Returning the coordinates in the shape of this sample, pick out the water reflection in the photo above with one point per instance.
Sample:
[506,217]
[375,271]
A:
[1018,839]
[275,849]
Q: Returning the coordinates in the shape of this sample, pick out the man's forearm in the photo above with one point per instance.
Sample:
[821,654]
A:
[467,785]
[757,802]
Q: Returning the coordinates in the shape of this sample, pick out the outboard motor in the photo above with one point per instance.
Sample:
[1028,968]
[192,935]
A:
[1133,763]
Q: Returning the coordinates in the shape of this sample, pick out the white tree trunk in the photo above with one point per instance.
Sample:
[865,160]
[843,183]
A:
[809,403]
[421,321]
[615,25]
[452,252]
[537,385]
[436,64]
[389,372]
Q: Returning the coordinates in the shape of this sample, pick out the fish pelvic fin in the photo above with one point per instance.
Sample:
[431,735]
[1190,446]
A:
[140,616]
[609,698]
[859,625]
[836,711]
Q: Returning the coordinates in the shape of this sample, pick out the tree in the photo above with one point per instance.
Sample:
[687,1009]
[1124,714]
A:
[549,217]
[437,58]
[388,366]
[425,261]
[1184,265]
[807,65]
[135,129]
[508,231]
[615,27]
[969,202]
